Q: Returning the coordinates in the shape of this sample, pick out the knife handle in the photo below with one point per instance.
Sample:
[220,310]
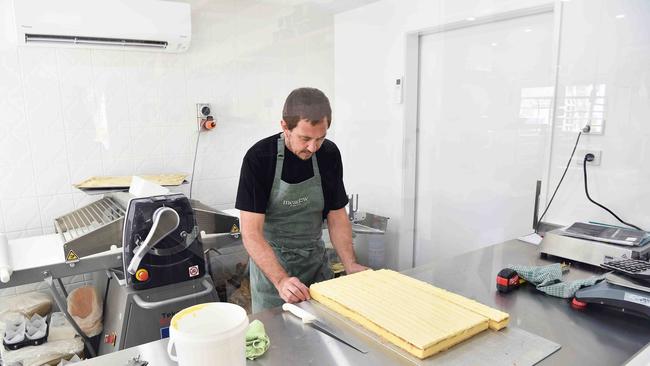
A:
[306,316]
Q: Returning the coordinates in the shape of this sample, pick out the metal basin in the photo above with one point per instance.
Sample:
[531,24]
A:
[363,229]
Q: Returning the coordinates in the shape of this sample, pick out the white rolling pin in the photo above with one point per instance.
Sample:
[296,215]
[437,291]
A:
[5,261]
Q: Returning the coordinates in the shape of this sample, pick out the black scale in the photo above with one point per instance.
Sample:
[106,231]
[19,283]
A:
[174,253]
[628,292]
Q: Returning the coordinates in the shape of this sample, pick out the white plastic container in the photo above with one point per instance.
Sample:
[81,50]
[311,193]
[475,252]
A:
[209,334]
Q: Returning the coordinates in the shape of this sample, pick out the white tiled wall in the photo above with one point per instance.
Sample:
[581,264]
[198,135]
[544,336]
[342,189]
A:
[68,114]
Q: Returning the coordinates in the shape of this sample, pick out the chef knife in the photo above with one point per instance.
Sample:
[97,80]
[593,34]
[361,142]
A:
[311,320]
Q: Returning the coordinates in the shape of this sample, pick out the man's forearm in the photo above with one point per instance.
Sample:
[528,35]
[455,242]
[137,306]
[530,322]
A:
[340,231]
[264,257]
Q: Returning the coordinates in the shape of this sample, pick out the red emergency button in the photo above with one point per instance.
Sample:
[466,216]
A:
[142,275]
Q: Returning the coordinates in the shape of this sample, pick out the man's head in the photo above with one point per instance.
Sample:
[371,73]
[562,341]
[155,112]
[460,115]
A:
[305,119]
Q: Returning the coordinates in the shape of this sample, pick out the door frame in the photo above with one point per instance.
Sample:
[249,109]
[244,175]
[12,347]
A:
[407,250]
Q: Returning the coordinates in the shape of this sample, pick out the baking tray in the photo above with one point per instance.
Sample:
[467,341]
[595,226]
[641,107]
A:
[124,181]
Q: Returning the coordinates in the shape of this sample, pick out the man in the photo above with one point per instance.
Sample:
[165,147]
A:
[289,183]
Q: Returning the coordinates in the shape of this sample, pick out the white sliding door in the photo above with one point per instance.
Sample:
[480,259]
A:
[484,112]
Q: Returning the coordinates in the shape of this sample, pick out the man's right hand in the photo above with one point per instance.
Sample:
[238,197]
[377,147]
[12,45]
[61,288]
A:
[291,290]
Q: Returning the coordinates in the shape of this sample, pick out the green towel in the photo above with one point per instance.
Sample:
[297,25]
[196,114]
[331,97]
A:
[257,342]
[548,279]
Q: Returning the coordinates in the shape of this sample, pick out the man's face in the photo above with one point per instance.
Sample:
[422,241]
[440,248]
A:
[305,139]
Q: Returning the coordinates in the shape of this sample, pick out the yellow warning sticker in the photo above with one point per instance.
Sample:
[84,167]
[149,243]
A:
[234,229]
[72,256]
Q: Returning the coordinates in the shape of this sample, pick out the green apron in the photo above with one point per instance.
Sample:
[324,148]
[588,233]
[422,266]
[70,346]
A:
[293,226]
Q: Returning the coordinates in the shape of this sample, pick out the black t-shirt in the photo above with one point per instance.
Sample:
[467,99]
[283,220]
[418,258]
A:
[258,170]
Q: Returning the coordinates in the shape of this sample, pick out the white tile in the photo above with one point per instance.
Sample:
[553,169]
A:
[108,58]
[44,112]
[112,108]
[149,166]
[116,143]
[38,62]
[17,180]
[21,214]
[178,164]
[2,221]
[82,199]
[52,207]
[118,167]
[146,142]
[217,191]
[82,145]
[9,67]
[78,109]
[82,170]
[12,105]
[74,65]
[23,233]
[52,178]
[177,140]
[48,147]
[14,143]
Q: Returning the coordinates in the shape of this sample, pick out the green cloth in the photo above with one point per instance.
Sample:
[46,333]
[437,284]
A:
[548,279]
[257,342]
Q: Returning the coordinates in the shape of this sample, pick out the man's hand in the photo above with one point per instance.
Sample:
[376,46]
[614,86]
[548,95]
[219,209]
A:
[291,290]
[354,268]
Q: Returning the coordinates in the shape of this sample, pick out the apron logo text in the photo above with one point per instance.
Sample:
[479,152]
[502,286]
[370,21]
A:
[294,203]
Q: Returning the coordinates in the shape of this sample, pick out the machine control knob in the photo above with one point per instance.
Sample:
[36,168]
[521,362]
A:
[142,275]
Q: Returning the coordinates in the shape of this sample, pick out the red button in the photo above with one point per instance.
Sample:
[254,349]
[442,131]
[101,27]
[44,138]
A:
[142,275]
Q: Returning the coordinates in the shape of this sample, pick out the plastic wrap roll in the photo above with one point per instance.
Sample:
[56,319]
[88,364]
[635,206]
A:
[5,261]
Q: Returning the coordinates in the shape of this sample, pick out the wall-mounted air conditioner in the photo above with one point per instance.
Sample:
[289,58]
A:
[153,25]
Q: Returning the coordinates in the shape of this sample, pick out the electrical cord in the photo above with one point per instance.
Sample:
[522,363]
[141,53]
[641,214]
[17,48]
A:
[558,183]
[590,157]
[196,150]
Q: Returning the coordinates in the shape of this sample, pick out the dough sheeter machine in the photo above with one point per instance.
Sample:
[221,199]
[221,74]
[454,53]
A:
[151,248]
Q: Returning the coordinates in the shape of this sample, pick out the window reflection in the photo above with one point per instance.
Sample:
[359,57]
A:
[535,107]
[582,105]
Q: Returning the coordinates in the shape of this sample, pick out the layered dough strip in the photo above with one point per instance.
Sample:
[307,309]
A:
[418,317]
[125,181]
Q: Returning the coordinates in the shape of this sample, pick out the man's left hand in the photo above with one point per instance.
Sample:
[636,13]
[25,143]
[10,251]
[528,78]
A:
[354,268]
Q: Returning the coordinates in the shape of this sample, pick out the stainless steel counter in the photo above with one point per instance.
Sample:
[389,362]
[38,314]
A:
[594,336]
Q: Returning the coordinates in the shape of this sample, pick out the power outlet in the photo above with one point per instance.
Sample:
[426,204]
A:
[580,156]
[203,110]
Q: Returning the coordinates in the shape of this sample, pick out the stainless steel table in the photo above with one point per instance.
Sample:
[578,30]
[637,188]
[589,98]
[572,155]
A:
[594,336]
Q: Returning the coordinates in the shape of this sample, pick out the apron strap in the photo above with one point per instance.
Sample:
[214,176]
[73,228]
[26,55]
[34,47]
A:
[279,159]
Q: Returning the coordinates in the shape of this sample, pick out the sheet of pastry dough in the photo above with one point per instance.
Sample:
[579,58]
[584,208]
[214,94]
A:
[419,318]
[125,181]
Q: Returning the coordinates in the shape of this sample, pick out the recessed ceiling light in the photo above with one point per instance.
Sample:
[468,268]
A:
[470,19]
[494,44]
[620,16]
[527,30]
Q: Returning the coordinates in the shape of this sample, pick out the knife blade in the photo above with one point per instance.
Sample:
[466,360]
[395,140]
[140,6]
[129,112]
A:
[311,320]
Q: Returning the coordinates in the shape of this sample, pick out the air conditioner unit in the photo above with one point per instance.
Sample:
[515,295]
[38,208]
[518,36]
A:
[153,25]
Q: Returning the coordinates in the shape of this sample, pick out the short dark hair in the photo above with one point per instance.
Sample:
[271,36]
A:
[306,103]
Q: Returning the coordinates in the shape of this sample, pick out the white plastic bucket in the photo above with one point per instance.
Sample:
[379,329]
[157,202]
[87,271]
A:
[209,334]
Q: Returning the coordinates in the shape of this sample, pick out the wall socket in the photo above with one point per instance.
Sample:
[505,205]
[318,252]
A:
[580,156]
[203,110]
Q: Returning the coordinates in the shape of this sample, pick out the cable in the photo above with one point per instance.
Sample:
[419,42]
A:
[584,167]
[558,183]
[196,150]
